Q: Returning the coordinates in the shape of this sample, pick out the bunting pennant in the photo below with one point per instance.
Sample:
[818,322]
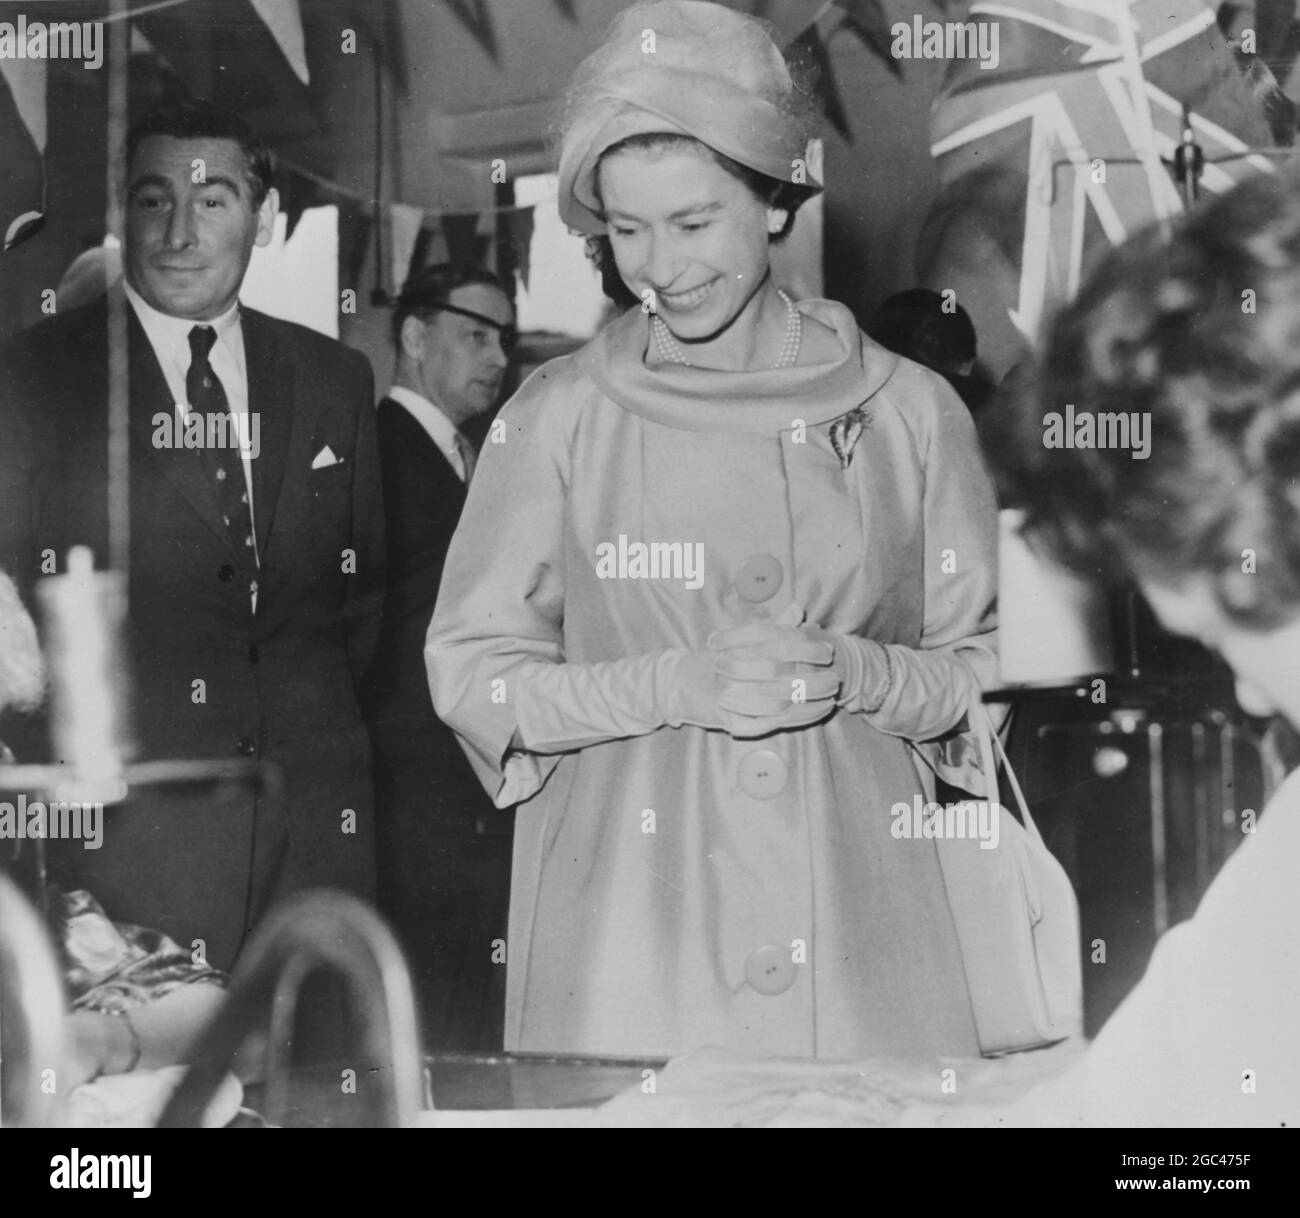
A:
[809,48]
[1062,147]
[22,148]
[520,226]
[868,19]
[284,19]
[461,231]
[405,228]
[474,16]
[354,245]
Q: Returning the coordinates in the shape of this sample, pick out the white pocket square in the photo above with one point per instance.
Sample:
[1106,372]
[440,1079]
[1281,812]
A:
[325,458]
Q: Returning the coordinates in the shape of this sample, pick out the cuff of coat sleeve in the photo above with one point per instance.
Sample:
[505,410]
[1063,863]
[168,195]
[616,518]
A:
[522,776]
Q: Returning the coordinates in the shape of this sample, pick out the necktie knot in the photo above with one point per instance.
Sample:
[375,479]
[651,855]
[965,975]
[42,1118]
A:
[201,340]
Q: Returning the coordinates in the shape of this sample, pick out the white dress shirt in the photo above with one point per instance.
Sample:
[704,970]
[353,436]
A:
[170,339]
[439,428]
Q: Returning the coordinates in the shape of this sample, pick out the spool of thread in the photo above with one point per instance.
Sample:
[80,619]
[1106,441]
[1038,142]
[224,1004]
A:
[84,614]
[1053,628]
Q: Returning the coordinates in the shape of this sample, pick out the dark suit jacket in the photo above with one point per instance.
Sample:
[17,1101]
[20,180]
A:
[280,684]
[444,884]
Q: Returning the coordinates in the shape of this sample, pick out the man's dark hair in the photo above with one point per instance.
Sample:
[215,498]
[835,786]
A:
[915,324]
[433,286]
[197,119]
[1200,331]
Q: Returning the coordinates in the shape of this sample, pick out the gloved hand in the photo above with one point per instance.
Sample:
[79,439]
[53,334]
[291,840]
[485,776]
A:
[859,668]
[744,695]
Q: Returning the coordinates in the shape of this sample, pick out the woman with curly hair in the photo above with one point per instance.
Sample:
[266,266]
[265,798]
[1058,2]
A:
[1199,333]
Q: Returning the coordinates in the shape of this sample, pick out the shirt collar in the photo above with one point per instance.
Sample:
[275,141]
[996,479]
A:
[442,431]
[172,334]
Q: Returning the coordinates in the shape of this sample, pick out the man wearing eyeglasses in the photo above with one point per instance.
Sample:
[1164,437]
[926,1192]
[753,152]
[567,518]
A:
[444,850]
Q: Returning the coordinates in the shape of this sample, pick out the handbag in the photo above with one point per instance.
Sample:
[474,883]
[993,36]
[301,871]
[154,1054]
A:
[1016,916]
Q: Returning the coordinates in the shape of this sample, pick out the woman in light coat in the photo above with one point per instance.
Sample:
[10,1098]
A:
[717,605]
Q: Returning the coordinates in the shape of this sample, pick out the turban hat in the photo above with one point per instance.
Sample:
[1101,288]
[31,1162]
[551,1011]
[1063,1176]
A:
[687,68]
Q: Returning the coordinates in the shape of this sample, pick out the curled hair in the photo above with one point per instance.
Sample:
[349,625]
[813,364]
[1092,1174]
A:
[1201,333]
[196,118]
[22,668]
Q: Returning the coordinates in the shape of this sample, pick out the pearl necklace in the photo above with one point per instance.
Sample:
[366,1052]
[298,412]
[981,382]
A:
[670,350]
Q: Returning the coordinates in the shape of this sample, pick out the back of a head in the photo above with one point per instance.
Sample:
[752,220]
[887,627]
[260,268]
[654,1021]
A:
[1196,337]
[924,327]
[22,670]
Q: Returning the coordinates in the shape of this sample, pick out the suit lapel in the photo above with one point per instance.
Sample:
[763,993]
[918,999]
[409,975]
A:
[182,467]
[270,396]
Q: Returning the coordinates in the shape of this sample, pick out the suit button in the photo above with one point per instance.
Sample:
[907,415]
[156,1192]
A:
[763,774]
[770,970]
[759,578]
[225,573]
[254,654]
[247,746]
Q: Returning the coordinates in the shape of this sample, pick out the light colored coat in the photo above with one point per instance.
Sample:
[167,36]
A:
[678,887]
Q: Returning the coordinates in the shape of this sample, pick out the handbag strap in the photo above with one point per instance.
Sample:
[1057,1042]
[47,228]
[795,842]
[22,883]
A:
[991,752]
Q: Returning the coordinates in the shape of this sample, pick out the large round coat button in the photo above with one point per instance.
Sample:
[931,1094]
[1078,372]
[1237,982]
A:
[770,969]
[246,746]
[759,578]
[762,774]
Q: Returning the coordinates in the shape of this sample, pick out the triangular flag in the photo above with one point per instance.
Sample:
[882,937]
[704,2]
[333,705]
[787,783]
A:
[406,223]
[475,17]
[460,230]
[809,48]
[871,23]
[520,224]
[22,143]
[284,19]
[439,251]
[26,81]
[354,244]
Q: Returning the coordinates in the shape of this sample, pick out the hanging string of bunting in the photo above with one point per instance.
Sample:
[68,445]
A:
[475,16]
[340,193]
[869,20]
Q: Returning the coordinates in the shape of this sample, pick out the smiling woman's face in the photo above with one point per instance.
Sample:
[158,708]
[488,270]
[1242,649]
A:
[1266,662]
[682,227]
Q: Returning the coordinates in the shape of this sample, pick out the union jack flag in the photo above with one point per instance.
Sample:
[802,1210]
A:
[1064,147]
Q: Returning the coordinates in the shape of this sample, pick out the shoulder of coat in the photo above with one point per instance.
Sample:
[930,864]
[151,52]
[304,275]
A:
[551,396]
[926,404]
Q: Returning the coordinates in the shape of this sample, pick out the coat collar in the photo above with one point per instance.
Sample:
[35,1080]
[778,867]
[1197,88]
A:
[765,401]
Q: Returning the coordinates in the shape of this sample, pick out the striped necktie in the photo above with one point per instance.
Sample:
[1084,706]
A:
[467,458]
[222,462]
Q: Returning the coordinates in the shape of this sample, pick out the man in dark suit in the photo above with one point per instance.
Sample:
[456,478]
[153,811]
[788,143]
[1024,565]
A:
[444,849]
[256,572]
